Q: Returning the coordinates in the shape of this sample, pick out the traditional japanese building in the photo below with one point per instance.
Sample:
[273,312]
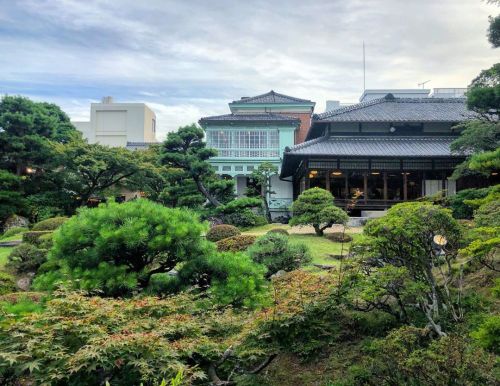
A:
[257,130]
[383,151]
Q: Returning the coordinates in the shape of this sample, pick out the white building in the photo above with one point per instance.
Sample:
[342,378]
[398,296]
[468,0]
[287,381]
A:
[131,125]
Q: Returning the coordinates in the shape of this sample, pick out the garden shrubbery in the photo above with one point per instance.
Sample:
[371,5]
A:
[277,253]
[223,231]
[279,230]
[13,231]
[7,283]
[242,212]
[51,224]
[236,243]
[315,207]
[339,237]
[488,215]
[33,237]
[118,247]
[26,258]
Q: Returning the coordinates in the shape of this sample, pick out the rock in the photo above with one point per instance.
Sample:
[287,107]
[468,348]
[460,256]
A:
[24,283]
[278,274]
[15,221]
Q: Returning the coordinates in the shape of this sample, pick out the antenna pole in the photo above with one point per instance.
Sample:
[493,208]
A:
[364,67]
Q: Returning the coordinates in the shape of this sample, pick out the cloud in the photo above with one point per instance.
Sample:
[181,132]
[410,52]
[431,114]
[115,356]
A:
[187,59]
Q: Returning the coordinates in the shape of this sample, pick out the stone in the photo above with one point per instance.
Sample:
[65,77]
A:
[15,221]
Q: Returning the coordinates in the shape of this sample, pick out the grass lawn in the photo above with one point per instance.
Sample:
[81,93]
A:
[4,253]
[320,247]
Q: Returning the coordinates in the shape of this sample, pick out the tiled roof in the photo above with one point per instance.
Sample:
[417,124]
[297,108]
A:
[390,109]
[251,118]
[375,146]
[271,97]
[139,145]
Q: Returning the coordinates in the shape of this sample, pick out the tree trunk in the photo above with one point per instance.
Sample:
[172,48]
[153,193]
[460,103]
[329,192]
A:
[205,192]
[318,230]
[266,209]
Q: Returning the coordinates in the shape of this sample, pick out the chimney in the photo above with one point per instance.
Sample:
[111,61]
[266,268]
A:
[332,105]
[107,100]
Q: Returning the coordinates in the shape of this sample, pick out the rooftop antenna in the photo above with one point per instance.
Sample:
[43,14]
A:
[364,67]
[423,83]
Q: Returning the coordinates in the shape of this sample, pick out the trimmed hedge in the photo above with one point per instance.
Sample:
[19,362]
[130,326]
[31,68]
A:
[220,232]
[339,237]
[13,231]
[26,258]
[279,230]
[50,224]
[236,243]
[32,237]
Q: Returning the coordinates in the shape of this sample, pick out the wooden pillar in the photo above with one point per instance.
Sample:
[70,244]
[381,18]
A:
[385,186]
[423,184]
[365,187]
[307,180]
[347,185]
[443,182]
[327,180]
[405,186]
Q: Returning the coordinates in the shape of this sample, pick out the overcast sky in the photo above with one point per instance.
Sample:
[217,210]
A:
[189,58]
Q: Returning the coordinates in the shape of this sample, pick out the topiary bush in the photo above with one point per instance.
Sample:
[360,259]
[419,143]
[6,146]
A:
[26,258]
[315,207]
[245,219]
[281,231]
[7,283]
[236,243]
[117,247]
[458,205]
[339,237]
[32,237]
[50,224]
[275,251]
[219,232]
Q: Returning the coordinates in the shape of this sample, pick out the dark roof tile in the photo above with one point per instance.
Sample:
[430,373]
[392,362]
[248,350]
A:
[390,109]
[271,97]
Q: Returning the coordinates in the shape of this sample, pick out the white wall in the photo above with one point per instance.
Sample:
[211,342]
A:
[115,124]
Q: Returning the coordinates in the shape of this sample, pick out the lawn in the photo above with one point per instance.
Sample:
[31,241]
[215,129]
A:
[4,253]
[321,248]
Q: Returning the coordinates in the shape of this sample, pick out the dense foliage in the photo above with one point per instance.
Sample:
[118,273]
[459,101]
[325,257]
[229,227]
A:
[315,207]
[133,240]
[277,253]
[235,243]
[223,231]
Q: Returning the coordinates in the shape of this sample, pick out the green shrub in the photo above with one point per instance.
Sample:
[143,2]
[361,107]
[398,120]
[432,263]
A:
[133,240]
[239,205]
[245,219]
[7,283]
[339,237]
[223,231]
[32,237]
[279,230]
[46,241]
[236,243]
[488,215]
[460,209]
[275,251]
[13,231]
[315,207]
[23,305]
[488,334]
[230,278]
[27,258]
[162,283]
[50,224]
[242,212]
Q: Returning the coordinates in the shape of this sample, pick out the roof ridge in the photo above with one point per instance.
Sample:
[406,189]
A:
[386,99]
[310,142]
[345,109]
[273,94]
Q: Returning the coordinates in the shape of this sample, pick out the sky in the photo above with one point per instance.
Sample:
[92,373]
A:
[188,58]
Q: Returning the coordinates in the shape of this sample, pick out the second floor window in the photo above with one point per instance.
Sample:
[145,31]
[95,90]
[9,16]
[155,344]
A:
[243,139]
